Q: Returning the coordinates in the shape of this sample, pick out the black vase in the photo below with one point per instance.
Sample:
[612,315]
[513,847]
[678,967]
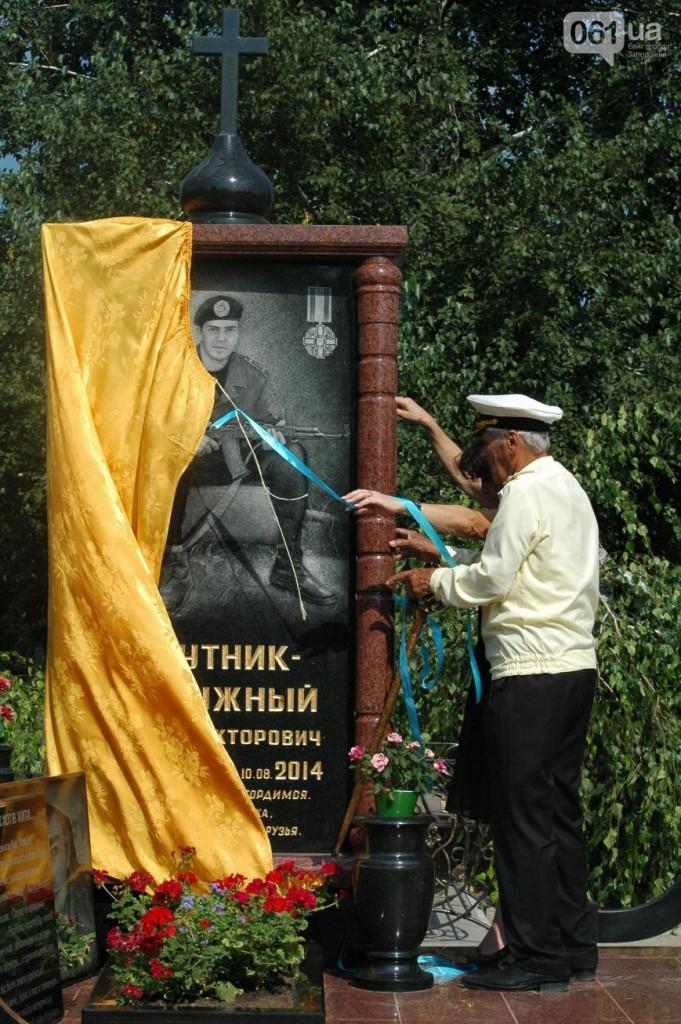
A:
[6,773]
[393,884]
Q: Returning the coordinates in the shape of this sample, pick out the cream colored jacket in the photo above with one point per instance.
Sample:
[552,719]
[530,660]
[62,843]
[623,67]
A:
[536,577]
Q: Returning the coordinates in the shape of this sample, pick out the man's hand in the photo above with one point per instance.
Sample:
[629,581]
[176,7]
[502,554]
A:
[415,582]
[412,544]
[368,502]
[408,410]
[207,445]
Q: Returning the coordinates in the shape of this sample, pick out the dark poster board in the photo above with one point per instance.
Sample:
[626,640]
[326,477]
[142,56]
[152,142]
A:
[29,965]
[278,688]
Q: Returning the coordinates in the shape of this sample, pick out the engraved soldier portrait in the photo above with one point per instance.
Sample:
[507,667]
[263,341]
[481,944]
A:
[238,525]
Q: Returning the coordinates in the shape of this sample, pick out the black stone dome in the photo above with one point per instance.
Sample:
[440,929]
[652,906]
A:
[227,187]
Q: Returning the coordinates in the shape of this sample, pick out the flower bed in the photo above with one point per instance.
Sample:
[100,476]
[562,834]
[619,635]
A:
[177,943]
[293,1001]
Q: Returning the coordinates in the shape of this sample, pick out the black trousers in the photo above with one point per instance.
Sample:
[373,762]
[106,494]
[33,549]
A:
[469,789]
[535,732]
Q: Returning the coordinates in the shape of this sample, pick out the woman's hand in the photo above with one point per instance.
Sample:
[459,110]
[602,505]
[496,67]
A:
[408,410]
[368,502]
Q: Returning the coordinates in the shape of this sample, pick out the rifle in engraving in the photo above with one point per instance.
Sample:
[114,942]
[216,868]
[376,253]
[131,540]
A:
[231,435]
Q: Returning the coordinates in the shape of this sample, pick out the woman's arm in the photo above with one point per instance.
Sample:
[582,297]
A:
[447,450]
[455,519]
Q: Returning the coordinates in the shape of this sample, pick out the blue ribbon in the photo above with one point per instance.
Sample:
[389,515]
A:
[405,675]
[282,450]
[432,534]
[442,969]
[428,677]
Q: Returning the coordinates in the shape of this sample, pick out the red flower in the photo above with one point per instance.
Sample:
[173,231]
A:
[329,867]
[170,890]
[152,929]
[275,876]
[157,917]
[140,880]
[99,877]
[5,684]
[132,991]
[115,940]
[287,866]
[257,887]
[243,898]
[188,851]
[229,882]
[205,923]
[159,970]
[299,897]
[152,942]
[276,904]
[187,876]
[7,712]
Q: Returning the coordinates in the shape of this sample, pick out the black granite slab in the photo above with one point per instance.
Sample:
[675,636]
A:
[278,688]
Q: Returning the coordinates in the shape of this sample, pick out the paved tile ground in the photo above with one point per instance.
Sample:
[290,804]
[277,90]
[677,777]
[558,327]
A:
[635,985]
[75,998]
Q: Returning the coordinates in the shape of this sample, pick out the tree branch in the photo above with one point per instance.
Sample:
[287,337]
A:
[47,67]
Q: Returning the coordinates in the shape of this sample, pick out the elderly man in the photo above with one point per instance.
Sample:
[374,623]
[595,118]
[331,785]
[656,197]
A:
[227,461]
[537,583]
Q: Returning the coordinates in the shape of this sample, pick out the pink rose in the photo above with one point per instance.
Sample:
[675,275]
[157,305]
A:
[379,762]
[5,684]
[393,737]
[441,766]
[356,753]
[429,753]
[413,745]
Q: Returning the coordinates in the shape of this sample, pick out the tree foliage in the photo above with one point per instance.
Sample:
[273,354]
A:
[541,194]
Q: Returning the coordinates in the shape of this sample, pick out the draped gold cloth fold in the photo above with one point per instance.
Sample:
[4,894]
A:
[128,401]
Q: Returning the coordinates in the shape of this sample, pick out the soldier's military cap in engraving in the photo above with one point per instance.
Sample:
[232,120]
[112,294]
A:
[513,412]
[218,307]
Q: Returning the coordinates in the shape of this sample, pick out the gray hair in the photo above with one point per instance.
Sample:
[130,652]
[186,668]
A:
[537,440]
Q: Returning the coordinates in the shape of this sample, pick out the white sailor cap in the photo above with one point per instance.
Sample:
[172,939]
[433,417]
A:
[513,412]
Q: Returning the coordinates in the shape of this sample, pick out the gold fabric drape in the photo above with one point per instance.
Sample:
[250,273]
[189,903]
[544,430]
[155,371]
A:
[128,401]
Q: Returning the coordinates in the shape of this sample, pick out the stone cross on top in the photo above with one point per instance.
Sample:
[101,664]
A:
[229,45]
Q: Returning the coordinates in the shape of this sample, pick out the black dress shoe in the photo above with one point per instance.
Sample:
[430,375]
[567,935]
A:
[511,978]
[583,973]
[485,960]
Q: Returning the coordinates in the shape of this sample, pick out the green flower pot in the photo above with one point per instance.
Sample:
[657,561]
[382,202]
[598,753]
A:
[396,803]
